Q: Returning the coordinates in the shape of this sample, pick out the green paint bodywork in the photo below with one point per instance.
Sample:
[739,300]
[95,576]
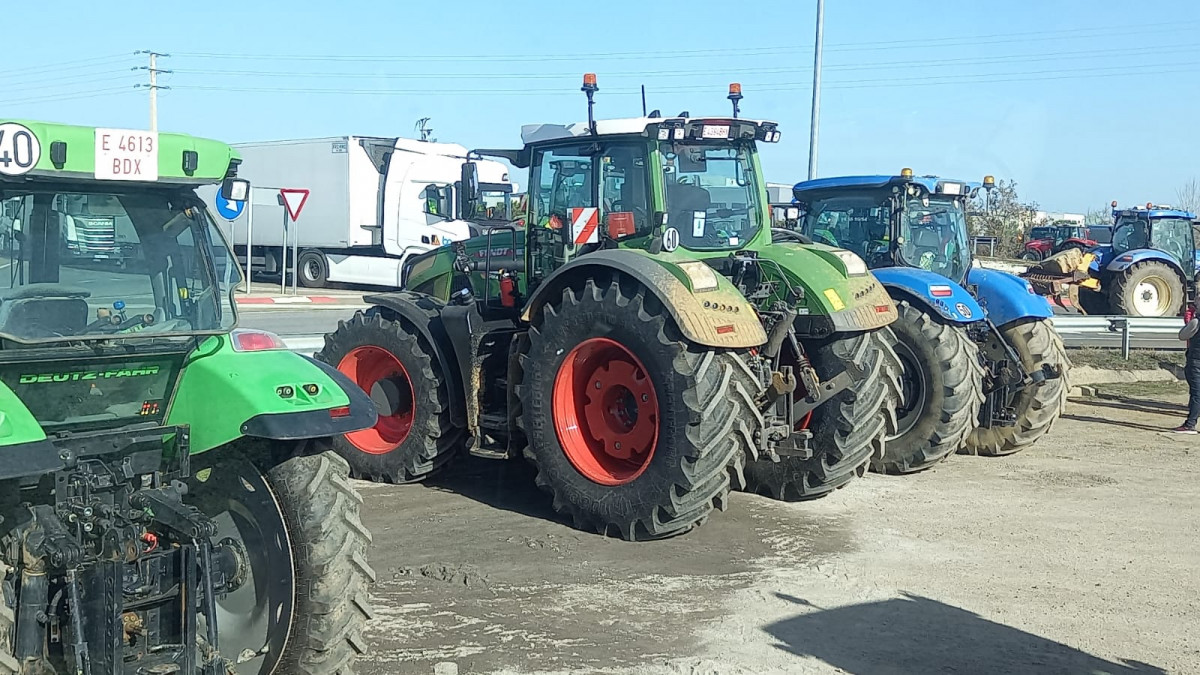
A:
[221,388]
[17,424]
[213,157]
[811,267]
[218,389]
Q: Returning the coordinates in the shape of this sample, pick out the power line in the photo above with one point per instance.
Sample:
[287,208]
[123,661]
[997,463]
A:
[948,41]
[77,80]
[92,93]
[98,60]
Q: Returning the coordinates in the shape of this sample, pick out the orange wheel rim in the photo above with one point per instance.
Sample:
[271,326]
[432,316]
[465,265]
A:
[605,412]
[379,373]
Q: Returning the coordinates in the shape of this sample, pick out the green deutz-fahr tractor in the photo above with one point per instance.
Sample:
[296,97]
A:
[638,337]
[168,503]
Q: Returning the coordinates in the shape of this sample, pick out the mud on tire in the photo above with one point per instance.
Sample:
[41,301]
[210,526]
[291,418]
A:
[329,545]
[705,413]
[1037,407]
[949,388]
[848,430]
[431,440]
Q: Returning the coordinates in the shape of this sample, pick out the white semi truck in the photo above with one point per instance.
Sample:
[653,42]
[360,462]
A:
[372,203]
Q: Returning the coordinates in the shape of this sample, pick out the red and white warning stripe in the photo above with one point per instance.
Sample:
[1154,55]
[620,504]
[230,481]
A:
[585,225]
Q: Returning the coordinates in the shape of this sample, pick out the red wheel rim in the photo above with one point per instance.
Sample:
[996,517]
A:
[605,412]
[379,373]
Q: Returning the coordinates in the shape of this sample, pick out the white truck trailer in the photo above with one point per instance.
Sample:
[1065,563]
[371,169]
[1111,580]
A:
[372,203]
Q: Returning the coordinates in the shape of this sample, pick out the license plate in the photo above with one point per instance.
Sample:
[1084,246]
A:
[715,131]
[100,256]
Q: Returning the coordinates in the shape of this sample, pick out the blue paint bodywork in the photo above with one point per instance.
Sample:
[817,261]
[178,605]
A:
[1006,297]
[1130,258]
[914,285]
[930,183]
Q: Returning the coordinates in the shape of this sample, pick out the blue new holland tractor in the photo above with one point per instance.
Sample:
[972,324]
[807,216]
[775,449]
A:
[1148,267]
[985,372]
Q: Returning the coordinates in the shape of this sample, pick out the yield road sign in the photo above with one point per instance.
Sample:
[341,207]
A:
[227,208]
[293,200]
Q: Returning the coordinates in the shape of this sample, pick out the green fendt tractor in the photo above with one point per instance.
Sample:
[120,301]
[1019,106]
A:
[638,338]
[168,502]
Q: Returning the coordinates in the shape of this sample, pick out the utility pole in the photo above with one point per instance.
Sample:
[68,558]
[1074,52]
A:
[816,94]
[154,86]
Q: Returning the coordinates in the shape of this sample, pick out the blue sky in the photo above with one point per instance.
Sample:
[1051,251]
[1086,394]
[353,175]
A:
[1079,102]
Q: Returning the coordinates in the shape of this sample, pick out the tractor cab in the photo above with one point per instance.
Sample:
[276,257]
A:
[1153,228]
[891,221]
[652,183]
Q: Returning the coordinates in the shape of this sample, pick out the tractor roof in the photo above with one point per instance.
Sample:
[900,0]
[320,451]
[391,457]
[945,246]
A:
[79,146]
[930,183]
[534,133]
[1155,212]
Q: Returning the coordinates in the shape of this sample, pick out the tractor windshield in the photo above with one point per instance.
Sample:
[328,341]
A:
[1172,235]
[1132,232]
[858,223]
[81,265]
[711,194]
[933,236]
[1041,232]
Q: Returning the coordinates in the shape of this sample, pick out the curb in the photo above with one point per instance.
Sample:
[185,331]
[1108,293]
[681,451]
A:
[300,300]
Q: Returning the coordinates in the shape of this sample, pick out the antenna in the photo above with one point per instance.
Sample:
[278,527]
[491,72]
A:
[590,88]
[422,127]
[643,100]
[735,95]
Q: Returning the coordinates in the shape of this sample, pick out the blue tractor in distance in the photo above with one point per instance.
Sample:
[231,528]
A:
[1148,268]
[984,368]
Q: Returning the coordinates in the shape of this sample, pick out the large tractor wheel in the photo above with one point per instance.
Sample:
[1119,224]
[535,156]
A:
[631,428]
[301,604]
[942,390]
[848,430]
[1030,254]
[1036,406]
[392,362]
[1149,288]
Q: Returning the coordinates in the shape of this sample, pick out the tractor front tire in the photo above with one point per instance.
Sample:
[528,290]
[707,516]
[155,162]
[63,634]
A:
[943,391]
[391,361]
[1036,406]
[631,428]
[1149,288]
[848,430]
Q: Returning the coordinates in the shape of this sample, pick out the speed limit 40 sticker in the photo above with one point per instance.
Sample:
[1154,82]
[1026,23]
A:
[19,149]
[123,154]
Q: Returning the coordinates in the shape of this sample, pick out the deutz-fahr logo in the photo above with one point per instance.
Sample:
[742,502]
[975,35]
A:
[77,375]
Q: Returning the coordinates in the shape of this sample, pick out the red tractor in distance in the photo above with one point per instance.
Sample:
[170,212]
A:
[1045,241]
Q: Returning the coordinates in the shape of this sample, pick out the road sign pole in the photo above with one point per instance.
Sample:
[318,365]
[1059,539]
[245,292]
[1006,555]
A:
[295,258]
[249,237]
[283,256]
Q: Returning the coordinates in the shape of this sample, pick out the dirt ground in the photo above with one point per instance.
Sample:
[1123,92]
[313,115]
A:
[1079,555]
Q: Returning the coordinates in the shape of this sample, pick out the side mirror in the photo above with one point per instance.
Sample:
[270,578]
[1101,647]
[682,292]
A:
[469,193]
[235,189]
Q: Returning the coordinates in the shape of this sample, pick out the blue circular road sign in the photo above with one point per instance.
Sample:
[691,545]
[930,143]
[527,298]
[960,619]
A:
[227,209]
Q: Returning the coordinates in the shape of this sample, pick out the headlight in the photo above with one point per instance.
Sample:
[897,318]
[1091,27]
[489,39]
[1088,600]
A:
[854,265]
[702,276]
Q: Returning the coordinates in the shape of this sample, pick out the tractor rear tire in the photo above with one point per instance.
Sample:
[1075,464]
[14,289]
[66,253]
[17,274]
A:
[943,391]
[391,361]
[8,624]
[1030,255]
[1038,406]
[849,430]
[605,363]
[1149,288]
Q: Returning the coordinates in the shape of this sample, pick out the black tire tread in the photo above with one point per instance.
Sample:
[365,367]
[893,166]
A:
[441,438]
[1044,405]
[848,431]
[329,544]
[1118,297]
[962,374]
[8,625]
[719,401]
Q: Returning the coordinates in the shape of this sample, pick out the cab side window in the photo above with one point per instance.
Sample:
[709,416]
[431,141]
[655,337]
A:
[563,181]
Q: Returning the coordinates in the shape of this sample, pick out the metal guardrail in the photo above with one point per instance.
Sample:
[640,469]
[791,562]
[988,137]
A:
[1076,331]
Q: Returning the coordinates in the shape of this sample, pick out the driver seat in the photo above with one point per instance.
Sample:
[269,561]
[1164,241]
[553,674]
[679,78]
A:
[925,240]
[43,311]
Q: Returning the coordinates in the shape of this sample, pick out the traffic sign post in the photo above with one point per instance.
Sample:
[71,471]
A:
[293,200]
